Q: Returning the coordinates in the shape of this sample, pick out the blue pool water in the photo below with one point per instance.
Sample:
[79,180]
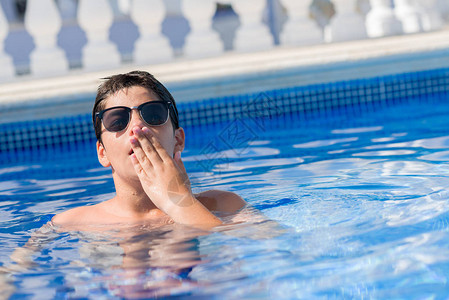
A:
[355,200]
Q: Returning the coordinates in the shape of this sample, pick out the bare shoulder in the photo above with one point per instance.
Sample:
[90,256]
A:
[74,216]
[223,201]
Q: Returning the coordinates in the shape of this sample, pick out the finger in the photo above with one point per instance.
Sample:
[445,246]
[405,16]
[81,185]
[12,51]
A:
[140,154]
[137,166]
[156,145]
[147,145]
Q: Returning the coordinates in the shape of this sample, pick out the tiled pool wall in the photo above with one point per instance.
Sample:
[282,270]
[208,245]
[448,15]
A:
[34,139]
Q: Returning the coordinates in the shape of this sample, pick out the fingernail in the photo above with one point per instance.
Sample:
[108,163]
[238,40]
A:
[133,140]
[146,130]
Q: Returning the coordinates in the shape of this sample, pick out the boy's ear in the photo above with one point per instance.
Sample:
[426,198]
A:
[101,153]
[180,140]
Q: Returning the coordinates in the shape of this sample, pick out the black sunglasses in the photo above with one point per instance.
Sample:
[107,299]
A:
[154,113]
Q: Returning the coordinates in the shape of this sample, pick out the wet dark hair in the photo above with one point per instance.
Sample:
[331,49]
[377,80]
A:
[119,82]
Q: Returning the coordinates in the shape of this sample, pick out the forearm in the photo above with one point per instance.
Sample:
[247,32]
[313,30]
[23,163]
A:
[23,257]
[191,212]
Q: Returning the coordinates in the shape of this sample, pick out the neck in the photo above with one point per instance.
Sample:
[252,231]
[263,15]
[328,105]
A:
[132,201]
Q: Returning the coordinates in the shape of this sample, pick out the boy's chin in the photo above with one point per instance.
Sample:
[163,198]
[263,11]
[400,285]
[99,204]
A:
[130,177]
[133,177]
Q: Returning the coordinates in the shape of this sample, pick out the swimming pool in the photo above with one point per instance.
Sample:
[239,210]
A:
[352,177]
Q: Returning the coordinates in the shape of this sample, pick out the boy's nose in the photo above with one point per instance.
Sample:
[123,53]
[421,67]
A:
[136,120]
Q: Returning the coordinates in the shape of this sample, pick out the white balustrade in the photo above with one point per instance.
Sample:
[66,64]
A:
[347,24]
[407,12]
[253,34]
[95,17]
[443,7]
[202,40]
[43,22]
[364,6]
[124,6]
[300,29]
[431,19]
[152,46]
[6,65]
[173,7]
[381,20]
[67,8]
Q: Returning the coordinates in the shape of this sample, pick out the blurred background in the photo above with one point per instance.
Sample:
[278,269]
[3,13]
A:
[52,37]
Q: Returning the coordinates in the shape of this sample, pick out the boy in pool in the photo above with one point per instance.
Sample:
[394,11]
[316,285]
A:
[139,137]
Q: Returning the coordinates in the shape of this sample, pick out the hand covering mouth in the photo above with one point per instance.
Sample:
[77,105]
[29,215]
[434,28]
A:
[131,152]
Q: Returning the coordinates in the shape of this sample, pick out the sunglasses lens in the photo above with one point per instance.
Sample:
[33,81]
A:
[116,120]
[155,113]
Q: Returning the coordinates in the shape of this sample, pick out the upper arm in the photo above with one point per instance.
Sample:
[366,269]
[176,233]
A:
[222,201]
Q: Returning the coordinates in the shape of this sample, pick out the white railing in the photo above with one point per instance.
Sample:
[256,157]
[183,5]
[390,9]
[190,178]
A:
[262,25]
